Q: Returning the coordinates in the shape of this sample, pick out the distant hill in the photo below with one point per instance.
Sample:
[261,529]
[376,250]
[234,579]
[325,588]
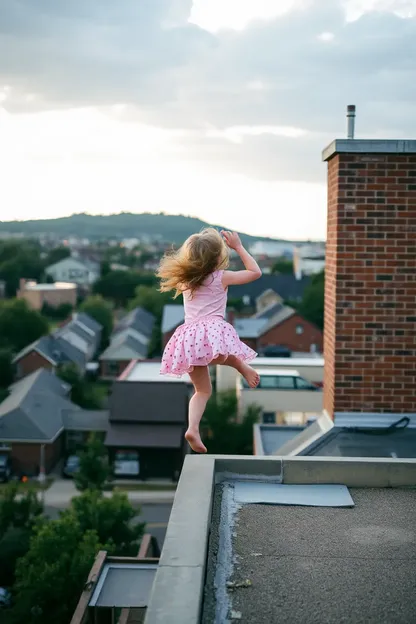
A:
[172,228]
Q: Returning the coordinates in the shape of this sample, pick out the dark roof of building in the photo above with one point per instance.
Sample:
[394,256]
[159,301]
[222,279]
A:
[145,435]
[34,409]
[139,319]
[287,286]
[152,402]
[85,420]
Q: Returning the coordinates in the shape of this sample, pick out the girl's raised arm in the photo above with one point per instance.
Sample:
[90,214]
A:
[252,269]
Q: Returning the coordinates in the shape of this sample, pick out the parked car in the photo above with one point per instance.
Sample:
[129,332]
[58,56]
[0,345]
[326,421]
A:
[279,351]
[5,598]
[278,379]
[5,467]
[71,466]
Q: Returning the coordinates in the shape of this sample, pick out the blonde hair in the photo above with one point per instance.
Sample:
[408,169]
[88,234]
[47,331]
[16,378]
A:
[189,266]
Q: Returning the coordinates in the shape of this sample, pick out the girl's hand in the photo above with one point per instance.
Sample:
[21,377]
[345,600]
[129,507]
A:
[232,239]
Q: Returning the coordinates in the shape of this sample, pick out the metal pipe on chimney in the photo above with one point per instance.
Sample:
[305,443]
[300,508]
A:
[351,120]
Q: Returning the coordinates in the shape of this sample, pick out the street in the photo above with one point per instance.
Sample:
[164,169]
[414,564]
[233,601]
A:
[155,515]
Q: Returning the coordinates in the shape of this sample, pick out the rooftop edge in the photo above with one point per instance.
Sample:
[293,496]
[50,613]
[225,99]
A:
[180,578]
[369,146]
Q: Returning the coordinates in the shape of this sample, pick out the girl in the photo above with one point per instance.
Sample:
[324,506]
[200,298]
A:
[197,271]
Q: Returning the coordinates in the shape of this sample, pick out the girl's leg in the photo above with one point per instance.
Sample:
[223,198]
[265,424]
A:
[203,389]
[249,374]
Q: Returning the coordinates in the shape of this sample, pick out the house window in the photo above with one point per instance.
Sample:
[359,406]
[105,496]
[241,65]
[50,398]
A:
[269,418]
[299,329]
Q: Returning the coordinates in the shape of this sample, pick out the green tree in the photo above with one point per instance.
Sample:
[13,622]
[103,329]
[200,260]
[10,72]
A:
[94,470]
[223,431]
[18,516]
[19,259]
[312,306]
[60,313]
[83,393]
[101,311]
[120,286]
[7,368]
[111,518]
[56,255]
[283,267]
[50,577]
[19,325]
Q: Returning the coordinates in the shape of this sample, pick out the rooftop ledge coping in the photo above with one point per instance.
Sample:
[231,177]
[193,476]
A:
[369,146]
[178,588]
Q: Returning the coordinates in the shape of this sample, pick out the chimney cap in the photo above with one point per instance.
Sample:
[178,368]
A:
[351,108]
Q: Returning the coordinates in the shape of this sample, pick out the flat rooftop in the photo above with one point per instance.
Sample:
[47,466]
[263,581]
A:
[303,540]
[312,564]
[150,371]
[54,286]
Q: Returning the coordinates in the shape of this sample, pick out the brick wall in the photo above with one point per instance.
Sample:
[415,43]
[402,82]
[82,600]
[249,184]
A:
[30,363]
[370,285]
[285,334]
[26,457]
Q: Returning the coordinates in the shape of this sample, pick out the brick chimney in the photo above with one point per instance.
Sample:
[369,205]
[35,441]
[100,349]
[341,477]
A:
[370,284]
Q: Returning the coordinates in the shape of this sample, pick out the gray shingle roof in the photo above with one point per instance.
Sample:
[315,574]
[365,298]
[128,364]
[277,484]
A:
[287,286]
[139,319]
[87,320]
[173,315]
[33,410]
[85,420]
[127,348]
[249,327]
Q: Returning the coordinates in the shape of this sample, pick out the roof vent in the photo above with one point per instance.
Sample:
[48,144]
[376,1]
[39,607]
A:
[351,120]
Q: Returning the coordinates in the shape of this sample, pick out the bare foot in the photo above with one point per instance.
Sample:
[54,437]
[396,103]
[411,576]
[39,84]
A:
[250,375]
[194,440]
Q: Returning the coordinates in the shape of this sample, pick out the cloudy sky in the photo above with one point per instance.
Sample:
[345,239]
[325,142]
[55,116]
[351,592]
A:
[213,108]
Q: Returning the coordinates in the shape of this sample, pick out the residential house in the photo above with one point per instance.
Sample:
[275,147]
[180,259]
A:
[279,324]
[146,429]
[32,422]
[53,295]
[290,526]
[130,341]
[83,272]
[77,342]
[286,286]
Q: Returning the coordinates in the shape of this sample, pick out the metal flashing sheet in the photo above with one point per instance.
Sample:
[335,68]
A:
[281,494]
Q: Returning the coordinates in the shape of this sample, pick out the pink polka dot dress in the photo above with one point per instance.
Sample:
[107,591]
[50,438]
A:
[205,334]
